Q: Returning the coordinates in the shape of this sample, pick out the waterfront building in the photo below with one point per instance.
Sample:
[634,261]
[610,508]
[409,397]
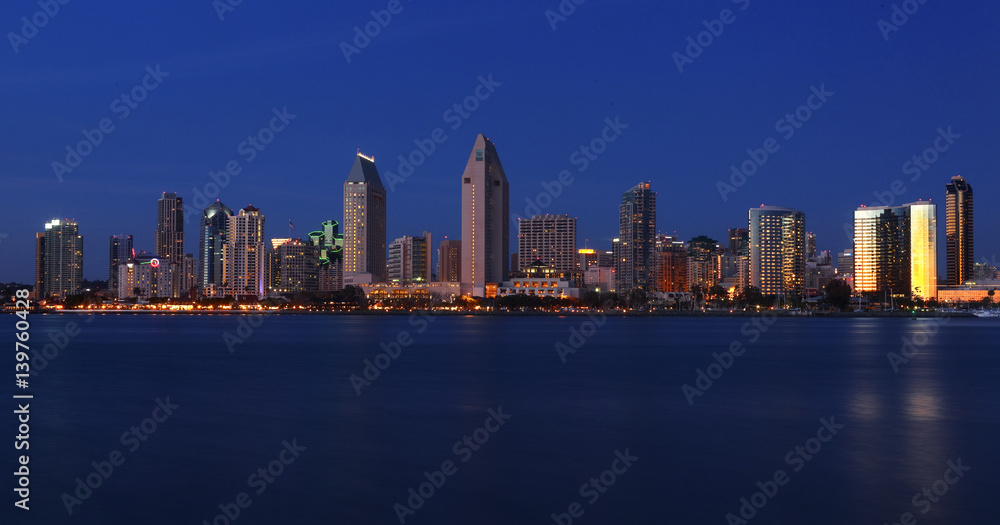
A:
[550,239]
[485,219]
[364,223]
[777,250]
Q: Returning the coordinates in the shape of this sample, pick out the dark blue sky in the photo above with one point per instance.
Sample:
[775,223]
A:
[607,59]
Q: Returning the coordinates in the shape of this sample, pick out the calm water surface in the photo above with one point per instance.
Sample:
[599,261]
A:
[290,381]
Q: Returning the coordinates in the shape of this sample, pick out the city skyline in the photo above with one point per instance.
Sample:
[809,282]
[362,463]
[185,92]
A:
[554,99]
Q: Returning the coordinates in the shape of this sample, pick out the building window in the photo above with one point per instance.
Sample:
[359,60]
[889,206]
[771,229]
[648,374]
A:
[479,155]
[468,180]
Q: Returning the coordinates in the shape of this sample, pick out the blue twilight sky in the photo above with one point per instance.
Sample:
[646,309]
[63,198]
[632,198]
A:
[608,59]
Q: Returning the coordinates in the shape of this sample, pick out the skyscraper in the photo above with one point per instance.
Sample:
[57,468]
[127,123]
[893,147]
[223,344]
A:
[810,246]
[212,239]
[450,261]
[636,240]
[364,223]
[704,263]
[169,235]
[895,250]
[243,255]
[61,259]
[739,241]
[120,252]
[330,246]
[923,250]
[959,232]
[777,250]
[485,219]
[549,238]
[672,265]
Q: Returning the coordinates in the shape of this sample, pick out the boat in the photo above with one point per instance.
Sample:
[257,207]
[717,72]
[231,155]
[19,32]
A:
[990,314]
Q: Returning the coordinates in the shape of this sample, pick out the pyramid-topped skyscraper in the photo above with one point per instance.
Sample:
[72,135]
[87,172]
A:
[364,224]
[485,219]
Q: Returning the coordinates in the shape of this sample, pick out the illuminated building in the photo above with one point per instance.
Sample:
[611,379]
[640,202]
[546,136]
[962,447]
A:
[634,268]
[923,250]
[364,223]
[959,232]
[704,263]
[777,250]
[60,258]
[895,250]
[147,276]
[739,242]
[296,267]
[410,260]
[845,263]
[541,280]
[243,255]
[810,246]
[672,265]
[485,219]
[212,239]
[119,252]
[169,235]
[450,261]
[547,238]
[330,246]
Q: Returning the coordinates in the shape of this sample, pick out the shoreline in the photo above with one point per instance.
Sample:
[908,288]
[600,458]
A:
[668,313]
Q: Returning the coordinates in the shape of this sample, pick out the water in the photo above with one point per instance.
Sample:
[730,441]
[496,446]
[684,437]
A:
[620,391]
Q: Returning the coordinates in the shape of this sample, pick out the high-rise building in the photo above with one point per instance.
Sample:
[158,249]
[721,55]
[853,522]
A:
[672,265]
[243,255]
[330,246]
[739,242]
[146,276]
[364,223]
[120,252]
[169,235]
[585,258]
[777,250]
[704,263]
[923,246]
[550,239]
[61,259]
[895,250]
[845,263]
[410,260]
[810,246]
[212,239]
[882,249]
[636,240]
[959,232]
[485,219]
[296,267]
[39,292]
[450,261]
